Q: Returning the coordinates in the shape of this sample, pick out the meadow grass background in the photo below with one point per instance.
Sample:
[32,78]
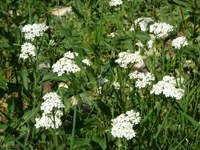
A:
[99,32]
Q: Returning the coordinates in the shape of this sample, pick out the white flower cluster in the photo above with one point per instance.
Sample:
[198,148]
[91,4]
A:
[66,64]
[150,53]
[179,42]
[143,23]
[116,85]
[52,101]
[161,30]
[167,87]
[86,61]
[47,120]
[115,2]
[35,30]
[189,64]
[101,81]
[122,126]
[27,49]
[126,58]
[142,79]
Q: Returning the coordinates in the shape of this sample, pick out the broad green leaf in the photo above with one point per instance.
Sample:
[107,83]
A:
[108,45]
[2,15]
[17,36]
[24,75]
[3,124]
[50,76]
[142,35]
[104,108]
[11,106]
[28,115]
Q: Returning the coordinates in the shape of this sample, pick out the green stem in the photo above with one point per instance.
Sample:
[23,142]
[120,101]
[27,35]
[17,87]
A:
[73,130]
[29,10]
[163,54]
[196,105]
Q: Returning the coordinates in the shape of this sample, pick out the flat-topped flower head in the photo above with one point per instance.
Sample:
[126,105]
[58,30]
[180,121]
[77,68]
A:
[27,49]
[115,2]
[47,120]
[142,79]
[66,64]
[51,115]
[52,100]
[167,86]
[179,42]
[35,30]
[122,126]
[126,58]
[161,30]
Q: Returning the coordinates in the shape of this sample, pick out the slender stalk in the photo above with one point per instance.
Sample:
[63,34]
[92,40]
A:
[55,130]
[29,10]
[163,57]
[197,139]
[196,105]
[182,15]
[73,130]
[107,145]
[195,18]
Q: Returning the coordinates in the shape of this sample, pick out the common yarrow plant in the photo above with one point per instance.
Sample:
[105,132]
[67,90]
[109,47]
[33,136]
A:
[122,126]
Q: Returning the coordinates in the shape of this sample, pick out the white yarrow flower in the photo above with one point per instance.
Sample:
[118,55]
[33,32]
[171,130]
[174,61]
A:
[115,2]
[35,30]
[161,29]
[126,58]
[122,126]
[52,100]
[167,87]
[27,49]
[142,79]
[66,64]
[179,42]
[51,107]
